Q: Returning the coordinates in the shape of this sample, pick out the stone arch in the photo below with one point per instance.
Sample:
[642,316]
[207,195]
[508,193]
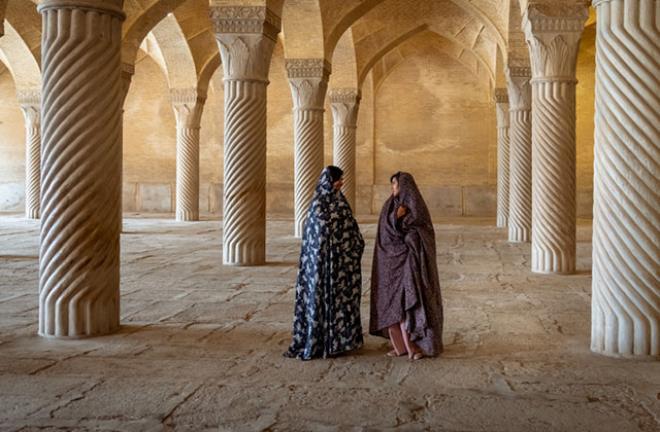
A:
[406,36]
[500,66]
[136,31]
[390,66]
[336,31]
[302,26]
[517,53]
[22,15]
[387,48]
[175,53]
[205,75]
[363,7]
[18,58]
[344,63]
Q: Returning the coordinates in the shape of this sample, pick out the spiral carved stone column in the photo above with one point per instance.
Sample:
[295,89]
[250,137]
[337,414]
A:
[553,35]
[502,110]
[30,102]
[308,79]
[188,106]
[246,36]
[520,154]
[81,167]
[345,106]
[626,252]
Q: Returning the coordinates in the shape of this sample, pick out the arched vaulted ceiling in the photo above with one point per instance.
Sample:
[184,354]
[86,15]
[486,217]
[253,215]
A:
[173,54]
[393,21]
[18,58]
[302,25]
[339,15]
[317,28]
[344,63]
[439,45]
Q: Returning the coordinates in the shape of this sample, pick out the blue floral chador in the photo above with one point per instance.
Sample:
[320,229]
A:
[329,285]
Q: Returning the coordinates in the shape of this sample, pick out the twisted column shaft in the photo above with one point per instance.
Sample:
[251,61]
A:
[30,102]
[81,168]
[308,79]
[502,109]
[626,239]
[553,36]
[520,154]
[345,106]
[188,107]
[246,36]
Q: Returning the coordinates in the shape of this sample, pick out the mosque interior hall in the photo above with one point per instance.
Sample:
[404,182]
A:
[158,160]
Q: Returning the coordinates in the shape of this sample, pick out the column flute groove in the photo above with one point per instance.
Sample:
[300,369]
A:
[553,35]
[30,102]
[308,79]
[626,238]
[81,168]
[246,37]
[188,105]
[345,106]
[520,154]
[502,109]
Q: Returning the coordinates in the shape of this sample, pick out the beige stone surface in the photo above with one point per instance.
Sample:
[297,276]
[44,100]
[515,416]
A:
[626,293]
[308,79]
[520,154]
[168,49]
[502,107]
[81,169]
[421,110]
[553,38]
[200,346]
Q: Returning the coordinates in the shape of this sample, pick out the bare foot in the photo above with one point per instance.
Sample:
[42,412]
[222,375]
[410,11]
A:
[394,354]
[416,356]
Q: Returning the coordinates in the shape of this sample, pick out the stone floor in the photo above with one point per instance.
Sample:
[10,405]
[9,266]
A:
[200,346]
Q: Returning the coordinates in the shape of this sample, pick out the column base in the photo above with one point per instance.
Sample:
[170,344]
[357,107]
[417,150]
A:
[627,356]
[518,235]
[187,216]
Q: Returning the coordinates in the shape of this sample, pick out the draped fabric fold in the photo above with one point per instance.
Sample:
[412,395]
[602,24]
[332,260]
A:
[329,284]
[405,286]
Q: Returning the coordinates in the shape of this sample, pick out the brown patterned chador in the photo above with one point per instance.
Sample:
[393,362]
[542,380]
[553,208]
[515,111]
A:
[406,305]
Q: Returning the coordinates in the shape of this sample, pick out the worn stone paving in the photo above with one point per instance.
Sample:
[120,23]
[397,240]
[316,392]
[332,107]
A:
[200,346]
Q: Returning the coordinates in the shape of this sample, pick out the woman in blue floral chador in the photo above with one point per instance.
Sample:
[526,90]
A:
[327,312]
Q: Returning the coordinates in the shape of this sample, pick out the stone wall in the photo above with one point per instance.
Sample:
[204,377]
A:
[12,148]
[584,127]
[430,116]
[436,120]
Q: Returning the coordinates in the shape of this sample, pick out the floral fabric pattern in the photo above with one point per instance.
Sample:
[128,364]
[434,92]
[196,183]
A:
[329,284]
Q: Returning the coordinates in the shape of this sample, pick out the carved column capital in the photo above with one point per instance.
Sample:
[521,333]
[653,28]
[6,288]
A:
[30,103]
[502,107]
[520,90]
[308,79]
[188,104]
[501,95]
[246,36]
[245,19]
[108,7]
[345,105]
[553,34]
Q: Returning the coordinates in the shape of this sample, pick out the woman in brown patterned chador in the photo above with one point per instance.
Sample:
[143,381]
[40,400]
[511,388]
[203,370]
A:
[406,305]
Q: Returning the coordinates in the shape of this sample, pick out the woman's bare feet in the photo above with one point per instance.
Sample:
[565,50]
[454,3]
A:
[416,356]
[394,354]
